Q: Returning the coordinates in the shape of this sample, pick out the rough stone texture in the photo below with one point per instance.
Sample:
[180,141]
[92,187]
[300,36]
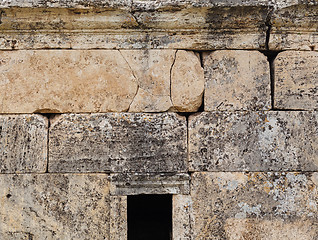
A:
[181,217]
[254,141]
[118,218]
[152,71]
[23,143]
[159,183]
[295,27]
[135,27]
[65,81]
[187,82]
[54,206]
[296,80]
[118,142]
[233,206]
[236,80]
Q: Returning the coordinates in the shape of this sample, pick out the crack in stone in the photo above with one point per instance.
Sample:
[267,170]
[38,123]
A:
[136,78]
[174,60]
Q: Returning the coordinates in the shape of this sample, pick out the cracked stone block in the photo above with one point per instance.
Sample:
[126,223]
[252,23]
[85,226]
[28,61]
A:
[236,80]
[154,183]
[23,143]
[118,218]
[260,205]
[65,81]
[294,27]
[254,141]
[152,69]
[187,82]
[118,142]
[296,80]
[54,206]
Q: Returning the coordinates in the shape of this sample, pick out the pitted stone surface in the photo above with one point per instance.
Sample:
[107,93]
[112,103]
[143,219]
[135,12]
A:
[236,80]
[54,206]
[296,80]
[234,206]
[118,142]
[152,70]
[23,143]
[254,141]
[187,82]
[65,81]
[295,27]
[155,183]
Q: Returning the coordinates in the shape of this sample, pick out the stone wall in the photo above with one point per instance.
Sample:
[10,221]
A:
[214,102]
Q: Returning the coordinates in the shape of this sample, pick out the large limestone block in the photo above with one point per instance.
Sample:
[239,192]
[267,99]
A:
[54,206]
[187,82]
[236,80]
[23,143]
[254,141]
[65,81]
[296,80]
[118,142]
[294,26]
[152,69]
[234,206]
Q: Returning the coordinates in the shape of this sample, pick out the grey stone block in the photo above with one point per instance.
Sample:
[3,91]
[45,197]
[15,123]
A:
[233,206]
[296,80]
[254,141]
[23,143]
[54,206]
[118,142]
[159,183]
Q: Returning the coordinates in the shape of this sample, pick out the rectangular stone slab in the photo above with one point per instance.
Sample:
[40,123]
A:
[23,143]
[57,81]
[155,183]
[296,80]
[54,206]
[272,205]
[118,142]
[254,141]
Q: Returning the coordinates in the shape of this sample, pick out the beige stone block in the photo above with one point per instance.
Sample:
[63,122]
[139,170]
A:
[152,69]
[254,141]
[294,27]
[118,218]
[236,80]
[118,142]
[296,80]
[23,143]
[181,217]
[259,205]
[65,81]
[54,206]
[187,82]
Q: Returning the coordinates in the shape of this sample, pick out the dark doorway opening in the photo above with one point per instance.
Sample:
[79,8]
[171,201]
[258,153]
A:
[149,217]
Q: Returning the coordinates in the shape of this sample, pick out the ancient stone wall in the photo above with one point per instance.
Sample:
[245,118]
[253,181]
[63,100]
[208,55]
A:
[213,102]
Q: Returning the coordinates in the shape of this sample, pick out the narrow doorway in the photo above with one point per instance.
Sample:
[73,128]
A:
[149,217]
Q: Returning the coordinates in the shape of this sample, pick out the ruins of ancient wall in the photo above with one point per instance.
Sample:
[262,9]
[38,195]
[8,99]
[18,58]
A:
[212,102]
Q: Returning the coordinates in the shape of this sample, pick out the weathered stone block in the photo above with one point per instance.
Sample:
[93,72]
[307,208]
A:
[236,80]
[54,206]
[294,26]
[296,80]
[254,141]
[23,143]
[158,183]
[152,69]
[187,82]
[65,81]
[181,217]
[271,205]
[118,142]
